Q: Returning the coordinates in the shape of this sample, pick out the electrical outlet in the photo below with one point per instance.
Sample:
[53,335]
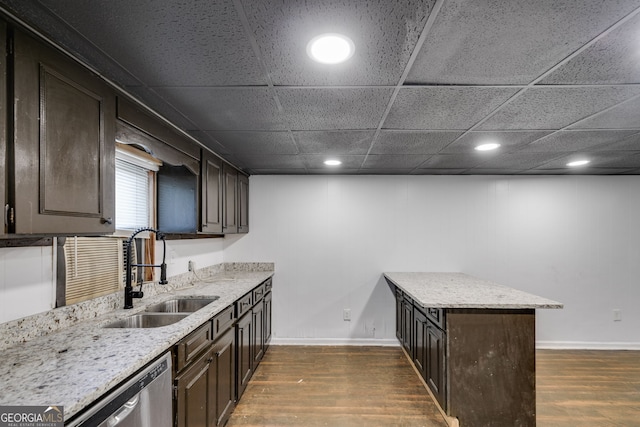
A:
[192,265]
[617,315]
[346,314]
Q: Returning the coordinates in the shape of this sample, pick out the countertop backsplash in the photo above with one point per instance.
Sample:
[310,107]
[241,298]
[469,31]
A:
[42,324]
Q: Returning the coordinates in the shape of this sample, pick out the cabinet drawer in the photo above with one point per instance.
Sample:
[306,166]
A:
[223,321]
[267,285]
[258,293]
[244,304]
[436,315]
[192,345]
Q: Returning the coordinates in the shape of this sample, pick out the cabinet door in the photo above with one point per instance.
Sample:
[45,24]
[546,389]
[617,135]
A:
[243,203]
[257,340]
[243,349]
[211,193]
[420,339]
[268,298]
[407,323]
[436,362]
[64,144]
[399,312]
[3,119]
[224,364]
[193,390]
[230,205]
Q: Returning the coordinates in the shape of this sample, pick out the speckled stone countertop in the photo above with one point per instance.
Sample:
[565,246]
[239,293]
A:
[458,290]
[76,365]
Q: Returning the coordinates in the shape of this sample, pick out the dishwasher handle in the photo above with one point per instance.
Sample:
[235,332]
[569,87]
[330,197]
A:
[123,412]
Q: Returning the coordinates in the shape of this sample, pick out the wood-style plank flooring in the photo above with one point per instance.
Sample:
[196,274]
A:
[335,386]
[588,388]
[376,386]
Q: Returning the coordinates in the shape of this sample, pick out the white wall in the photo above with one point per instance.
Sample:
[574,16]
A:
[27,284]
[575,239]
[27,278]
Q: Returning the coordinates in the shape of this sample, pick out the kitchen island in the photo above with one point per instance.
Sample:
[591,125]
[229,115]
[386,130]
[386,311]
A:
[473,343]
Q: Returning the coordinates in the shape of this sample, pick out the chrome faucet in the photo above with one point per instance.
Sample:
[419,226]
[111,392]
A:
[129,293]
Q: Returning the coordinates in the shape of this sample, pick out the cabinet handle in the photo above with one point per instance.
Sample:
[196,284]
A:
[210,359]
[107,221]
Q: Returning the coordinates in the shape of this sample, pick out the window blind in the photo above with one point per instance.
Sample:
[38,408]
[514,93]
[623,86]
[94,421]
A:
[132,196]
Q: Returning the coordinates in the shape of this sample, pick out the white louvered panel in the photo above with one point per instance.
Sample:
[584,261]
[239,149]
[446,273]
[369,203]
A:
[93,267]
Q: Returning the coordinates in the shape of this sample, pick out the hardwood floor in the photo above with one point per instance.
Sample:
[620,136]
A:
[376,386]
[588,388]
[335,386]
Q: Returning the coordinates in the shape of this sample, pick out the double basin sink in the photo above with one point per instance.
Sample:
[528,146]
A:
[163,314]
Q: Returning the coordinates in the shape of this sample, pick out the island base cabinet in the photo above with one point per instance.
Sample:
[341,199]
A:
[244,358]
[491,367]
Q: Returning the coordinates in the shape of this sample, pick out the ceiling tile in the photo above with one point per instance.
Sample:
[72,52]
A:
[518,160]
[412,142]
[432,171]
[612,58]
[384,34]
[334,142]
[254,142]
[495,171]
[566,141]
[508,41]
[507,140]
[226,108]
[393,161]
[279,171]
[625,160]
[149,97]
[625,115]
[208,36]
[444,107]
[210,142]
[272,161]
[384,171]
[326,171]
[316,161]
[456,161]
[556,107]
[333,108]
[631,143]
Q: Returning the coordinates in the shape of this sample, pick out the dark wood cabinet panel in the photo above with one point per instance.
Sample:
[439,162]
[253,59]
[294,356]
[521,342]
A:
[399,322]
[3,120]
[244,358]
[192,394]
[435,361]
[258,339]
[230,204]
[224,365]
[420,341]
[211,193]
[243,203]
[268,306]
[63,144]
[407,325]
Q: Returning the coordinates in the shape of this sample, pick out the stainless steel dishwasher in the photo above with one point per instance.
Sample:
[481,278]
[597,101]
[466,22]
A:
[143,401]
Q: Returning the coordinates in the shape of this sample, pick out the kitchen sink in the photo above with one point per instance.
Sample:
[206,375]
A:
[181,305]
[147,320]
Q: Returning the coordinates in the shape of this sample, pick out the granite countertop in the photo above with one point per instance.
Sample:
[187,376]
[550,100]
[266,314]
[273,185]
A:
[459,290]
[78,364]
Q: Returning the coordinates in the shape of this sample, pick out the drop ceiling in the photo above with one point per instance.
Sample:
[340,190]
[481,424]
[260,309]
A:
[551,80]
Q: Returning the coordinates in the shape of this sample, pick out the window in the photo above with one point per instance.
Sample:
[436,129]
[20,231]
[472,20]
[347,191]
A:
[135,171]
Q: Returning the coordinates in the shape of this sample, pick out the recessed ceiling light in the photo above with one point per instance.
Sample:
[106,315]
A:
[578,163]
[488,147]
[330,48]
[332,162]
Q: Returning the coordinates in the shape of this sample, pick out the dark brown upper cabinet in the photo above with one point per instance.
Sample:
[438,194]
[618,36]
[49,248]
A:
[230,197]
[211,193]
[243,203]
[62,156]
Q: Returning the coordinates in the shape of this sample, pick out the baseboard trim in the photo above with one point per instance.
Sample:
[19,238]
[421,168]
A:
[336,341]
[586,345]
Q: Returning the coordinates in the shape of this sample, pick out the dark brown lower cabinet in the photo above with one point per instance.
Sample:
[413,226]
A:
[407,325]
[224,365]
[434,373]
[192,391]
[244,358]
[268,300]
[258,340]
[420,340]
